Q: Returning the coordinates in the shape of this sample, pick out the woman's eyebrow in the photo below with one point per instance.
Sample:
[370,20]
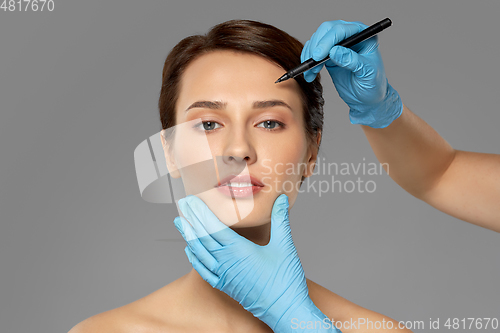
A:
[217,105]
[271,103]
[207,105]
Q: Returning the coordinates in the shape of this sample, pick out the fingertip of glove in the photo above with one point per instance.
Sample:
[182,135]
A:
[283,199]
[186,203]
[309,76]
[182,203]
[194,202]
[187,199]
[336,52]
[188,253]
[177,223]
[281,205]
[318,53]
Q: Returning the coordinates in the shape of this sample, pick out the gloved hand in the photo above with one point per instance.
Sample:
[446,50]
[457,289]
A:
[358,73]
[266,280]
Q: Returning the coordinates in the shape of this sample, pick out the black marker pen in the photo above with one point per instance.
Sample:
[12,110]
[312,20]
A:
[348,42]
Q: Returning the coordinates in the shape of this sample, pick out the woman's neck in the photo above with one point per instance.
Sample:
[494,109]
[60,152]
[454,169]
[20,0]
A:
[259,235]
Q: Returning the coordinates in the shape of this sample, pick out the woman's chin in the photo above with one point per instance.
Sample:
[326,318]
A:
[255,218]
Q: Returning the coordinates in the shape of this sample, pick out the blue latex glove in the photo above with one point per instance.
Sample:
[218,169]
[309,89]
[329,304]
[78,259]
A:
[358,73]
[266,280]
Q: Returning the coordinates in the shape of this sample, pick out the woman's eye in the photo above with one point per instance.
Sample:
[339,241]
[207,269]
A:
[208,125]
[270,124]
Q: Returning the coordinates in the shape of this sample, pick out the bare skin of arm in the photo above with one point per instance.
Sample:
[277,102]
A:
[465,185]
[352,317]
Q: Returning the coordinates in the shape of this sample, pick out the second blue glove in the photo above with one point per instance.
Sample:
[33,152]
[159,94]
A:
[268,280]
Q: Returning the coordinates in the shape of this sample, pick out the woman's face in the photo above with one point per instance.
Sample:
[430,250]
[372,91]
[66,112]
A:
[250,121]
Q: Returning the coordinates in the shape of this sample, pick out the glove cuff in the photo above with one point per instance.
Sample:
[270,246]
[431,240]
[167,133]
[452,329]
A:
[381,115]
[305,318]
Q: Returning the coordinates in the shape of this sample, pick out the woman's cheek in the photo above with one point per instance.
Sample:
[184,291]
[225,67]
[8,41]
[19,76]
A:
[287,177]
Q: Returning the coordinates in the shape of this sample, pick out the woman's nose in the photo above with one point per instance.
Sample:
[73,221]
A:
[239,148]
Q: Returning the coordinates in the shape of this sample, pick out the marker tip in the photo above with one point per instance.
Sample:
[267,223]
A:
[283,78]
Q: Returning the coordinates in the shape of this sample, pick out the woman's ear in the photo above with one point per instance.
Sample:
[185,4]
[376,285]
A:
[169,158]
[312,155]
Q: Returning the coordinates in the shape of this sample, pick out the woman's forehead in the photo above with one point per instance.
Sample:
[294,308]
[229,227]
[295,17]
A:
[227,75]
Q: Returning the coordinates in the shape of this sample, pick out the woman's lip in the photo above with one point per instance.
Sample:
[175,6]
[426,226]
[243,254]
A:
[239,192]
[240,179]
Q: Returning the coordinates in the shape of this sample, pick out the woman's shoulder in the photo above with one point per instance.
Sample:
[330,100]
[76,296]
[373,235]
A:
[155,312]
[109,321]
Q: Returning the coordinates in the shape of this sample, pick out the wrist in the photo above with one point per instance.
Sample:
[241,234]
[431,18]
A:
[278,315]
[305,318]
[380,115]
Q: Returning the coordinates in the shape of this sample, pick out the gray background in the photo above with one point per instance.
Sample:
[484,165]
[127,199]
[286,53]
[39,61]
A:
[79,89]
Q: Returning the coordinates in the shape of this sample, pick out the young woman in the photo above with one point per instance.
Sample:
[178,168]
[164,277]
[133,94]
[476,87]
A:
[226,80]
